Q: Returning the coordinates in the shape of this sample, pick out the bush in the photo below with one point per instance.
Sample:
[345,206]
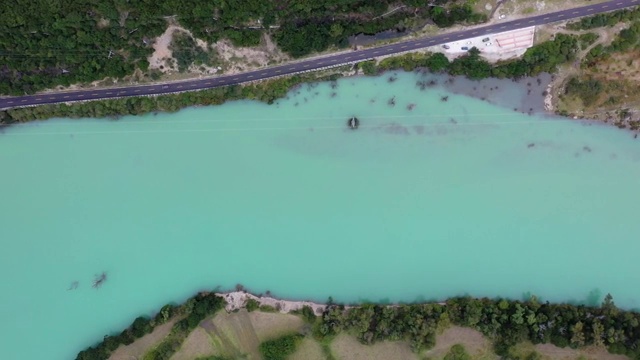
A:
[280,348]
[368,67]
[457,352]
[187,52]
[244,37]
[268,308]
[252,305]
[587,90]
[308,314]
[141,326]
[587,39]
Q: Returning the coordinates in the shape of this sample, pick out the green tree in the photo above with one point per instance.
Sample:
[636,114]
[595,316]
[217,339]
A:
[577,335]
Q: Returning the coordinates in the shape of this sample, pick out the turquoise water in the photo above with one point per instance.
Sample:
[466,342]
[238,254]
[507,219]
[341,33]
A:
[450,198]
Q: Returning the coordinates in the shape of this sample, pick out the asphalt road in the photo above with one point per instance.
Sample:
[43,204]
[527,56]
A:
[314,64]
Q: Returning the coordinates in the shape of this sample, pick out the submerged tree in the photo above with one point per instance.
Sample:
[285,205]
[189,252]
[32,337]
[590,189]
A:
[99,280]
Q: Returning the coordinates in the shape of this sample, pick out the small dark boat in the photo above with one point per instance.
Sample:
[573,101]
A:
[353,123]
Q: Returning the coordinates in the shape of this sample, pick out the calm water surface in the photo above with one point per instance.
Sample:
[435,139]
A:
[452,197]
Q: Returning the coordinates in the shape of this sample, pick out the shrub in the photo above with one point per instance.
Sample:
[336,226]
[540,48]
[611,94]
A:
[280,348]
[267,308]
[457,352]
[252,305]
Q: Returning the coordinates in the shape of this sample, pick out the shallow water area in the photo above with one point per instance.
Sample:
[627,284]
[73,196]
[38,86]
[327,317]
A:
[434,195]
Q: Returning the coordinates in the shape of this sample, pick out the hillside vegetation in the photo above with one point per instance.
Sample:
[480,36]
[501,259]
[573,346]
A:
[48,43]
[605,85]
[506,323]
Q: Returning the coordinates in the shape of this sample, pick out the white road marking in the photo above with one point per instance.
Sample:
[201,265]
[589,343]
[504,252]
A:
[137,90]
[10,102]
[79,95]
[531,21]
[547,18]
[605,6]
[475,32]
[38,98]
[109,93]
[560,15]
[249,77]
[50,98]
[278,71]
[404,47]
[94,94]
[25,100]
[375,52]
[347,58]
[235,78]
[179,86]
[64,97]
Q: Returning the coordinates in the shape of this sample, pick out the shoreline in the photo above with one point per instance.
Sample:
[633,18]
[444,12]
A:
[237,300]
[206,304]
[539,97]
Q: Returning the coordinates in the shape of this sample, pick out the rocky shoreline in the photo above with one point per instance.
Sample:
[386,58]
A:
[237,300]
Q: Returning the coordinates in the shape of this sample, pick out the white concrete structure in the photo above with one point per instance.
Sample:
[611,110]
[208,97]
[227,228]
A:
[517,39]
[499,46]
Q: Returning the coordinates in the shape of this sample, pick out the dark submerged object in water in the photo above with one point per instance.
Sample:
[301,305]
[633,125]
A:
[99,280]
[353,123]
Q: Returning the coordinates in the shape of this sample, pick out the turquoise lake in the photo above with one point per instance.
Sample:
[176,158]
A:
[449,198]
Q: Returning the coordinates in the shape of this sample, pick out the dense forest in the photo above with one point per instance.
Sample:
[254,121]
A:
[48,43]
[505,322]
